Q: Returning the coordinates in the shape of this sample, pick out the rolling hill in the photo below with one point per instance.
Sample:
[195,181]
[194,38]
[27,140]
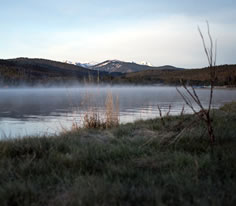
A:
[42,71]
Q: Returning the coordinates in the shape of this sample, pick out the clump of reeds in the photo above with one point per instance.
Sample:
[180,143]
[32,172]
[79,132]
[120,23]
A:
[95,119]
[92,120]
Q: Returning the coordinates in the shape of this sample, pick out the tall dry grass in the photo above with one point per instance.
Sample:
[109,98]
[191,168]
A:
[94,118]
[112,111]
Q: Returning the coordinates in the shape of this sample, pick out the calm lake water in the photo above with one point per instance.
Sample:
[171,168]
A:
[40,111]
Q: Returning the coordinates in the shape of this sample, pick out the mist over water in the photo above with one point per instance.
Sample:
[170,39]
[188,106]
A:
[48,111]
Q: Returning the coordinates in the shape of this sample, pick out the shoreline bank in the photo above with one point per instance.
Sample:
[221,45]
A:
[132,164]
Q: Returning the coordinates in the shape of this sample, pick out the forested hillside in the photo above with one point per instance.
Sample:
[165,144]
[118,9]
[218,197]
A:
[225,75]
[19,71]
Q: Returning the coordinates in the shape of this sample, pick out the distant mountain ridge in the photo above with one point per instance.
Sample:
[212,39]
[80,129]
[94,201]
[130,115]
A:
[111,66]
[117,66]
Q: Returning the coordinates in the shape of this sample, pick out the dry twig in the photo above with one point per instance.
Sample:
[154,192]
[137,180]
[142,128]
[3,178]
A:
[160,113]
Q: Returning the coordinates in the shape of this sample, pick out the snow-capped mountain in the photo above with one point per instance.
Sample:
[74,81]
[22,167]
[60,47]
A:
[126,67]
[109,66]
[118,66]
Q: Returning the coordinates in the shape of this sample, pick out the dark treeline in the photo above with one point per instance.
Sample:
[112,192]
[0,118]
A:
[225,76]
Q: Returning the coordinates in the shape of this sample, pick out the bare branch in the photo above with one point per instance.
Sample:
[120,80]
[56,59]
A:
[197,98]
[182,111]
[204,45]
[160,113]
[188,102]
[167,114]
[215,53]
[211,44]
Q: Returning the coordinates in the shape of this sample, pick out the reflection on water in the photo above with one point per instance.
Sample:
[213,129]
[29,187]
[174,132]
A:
[40,111]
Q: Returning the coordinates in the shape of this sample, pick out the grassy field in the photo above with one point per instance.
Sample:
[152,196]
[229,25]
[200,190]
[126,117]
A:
[141,163]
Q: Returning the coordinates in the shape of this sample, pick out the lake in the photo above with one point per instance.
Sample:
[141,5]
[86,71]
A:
[49,111]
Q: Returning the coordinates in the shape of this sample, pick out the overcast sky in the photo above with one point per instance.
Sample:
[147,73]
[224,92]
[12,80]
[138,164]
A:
[157,31]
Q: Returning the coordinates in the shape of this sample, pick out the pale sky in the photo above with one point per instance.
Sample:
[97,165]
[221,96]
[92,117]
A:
[157,31]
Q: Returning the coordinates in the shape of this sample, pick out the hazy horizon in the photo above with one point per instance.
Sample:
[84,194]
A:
[158,32]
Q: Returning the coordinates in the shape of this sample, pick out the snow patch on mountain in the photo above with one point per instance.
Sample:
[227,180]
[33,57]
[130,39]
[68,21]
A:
[146,63]
[85,65]
[69,62]
[103,64]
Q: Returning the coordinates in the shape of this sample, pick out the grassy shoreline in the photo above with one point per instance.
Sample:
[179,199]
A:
[133,164]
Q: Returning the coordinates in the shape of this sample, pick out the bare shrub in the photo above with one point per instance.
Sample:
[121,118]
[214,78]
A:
[190,92]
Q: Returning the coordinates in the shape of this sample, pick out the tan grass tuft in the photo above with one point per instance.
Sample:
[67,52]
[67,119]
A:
[96,119]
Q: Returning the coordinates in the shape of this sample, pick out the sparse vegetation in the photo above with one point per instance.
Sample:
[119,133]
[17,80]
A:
[229,107]
[126,165]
